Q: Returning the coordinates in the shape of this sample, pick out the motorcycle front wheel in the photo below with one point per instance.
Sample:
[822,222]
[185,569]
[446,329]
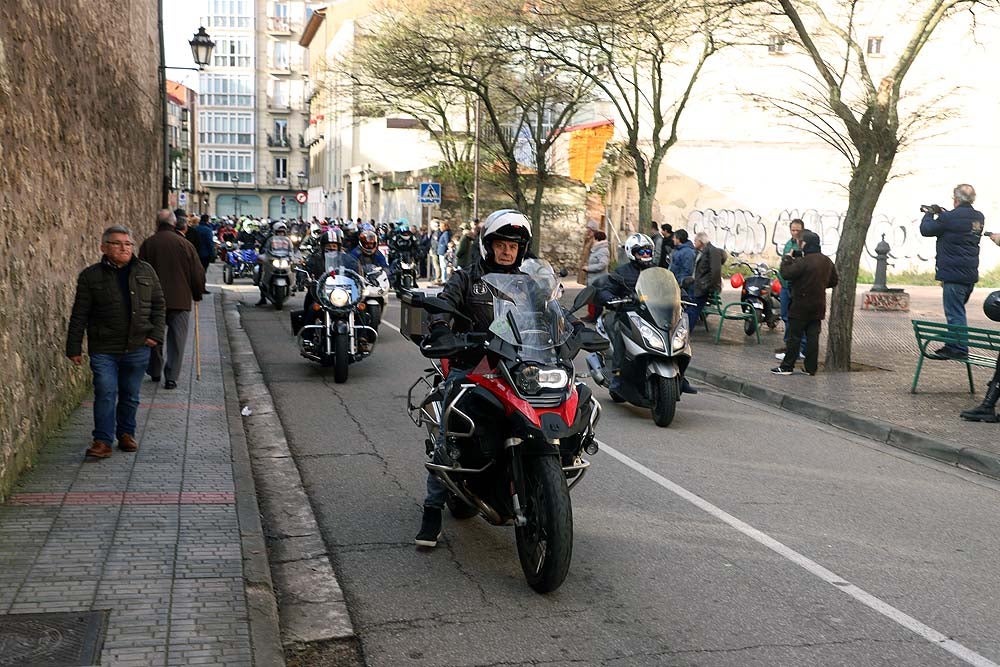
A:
[227,274]
[749,326]
[665,394]
[545,542]
[341,350]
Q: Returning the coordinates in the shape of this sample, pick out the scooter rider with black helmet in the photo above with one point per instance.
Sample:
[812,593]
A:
[620,284]
[503,245]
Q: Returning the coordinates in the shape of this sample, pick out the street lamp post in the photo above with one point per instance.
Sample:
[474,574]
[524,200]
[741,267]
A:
[236,195]
[201,50]
[301,176]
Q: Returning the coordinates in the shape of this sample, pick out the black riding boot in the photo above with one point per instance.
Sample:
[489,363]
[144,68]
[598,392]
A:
[985,412]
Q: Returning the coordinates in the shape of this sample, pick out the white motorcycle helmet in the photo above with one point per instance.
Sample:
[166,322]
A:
[509,225]
[279,226]
[639,249]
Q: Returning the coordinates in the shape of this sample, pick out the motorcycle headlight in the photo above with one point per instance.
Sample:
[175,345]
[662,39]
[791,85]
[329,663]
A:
[280,263]
[652,337]
[295,239]
[680,338]
[338,297]
[532,379]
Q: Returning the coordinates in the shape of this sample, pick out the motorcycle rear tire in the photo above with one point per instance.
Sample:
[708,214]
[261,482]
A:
[666,392]
[545,543]
[749,327]
[459,508]
[227,274]
[341,350]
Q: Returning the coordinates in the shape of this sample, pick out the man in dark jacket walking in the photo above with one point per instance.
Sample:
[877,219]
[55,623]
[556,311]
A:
[958,233]
[813,273]
[183,280]
[119,304]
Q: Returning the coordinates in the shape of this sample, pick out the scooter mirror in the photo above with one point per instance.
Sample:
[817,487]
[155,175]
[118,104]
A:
[585,296]
[591,341]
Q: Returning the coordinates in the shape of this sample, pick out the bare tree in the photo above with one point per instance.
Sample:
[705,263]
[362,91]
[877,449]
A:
[645,56]
[452,51]
[860,118]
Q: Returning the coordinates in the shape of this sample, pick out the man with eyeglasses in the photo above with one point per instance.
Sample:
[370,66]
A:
[120,306]
[183,279]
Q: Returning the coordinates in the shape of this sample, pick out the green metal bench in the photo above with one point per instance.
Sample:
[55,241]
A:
[745,312]
[945,334]
[712,307]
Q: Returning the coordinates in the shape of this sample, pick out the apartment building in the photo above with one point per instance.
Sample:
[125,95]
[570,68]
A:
[185,189]
[252,152]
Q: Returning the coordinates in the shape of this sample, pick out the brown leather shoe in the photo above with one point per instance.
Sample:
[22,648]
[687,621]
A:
[99,450]
[127,443]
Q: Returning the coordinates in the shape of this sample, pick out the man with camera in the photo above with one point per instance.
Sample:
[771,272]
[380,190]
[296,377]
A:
[957,264]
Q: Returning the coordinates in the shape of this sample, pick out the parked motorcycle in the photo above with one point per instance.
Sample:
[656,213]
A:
[517,424]
[759,291]
[240,263]
[657,346]
[274,272]
[339,332]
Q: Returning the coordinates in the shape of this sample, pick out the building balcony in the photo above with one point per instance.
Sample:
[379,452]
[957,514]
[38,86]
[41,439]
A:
[278,143]
[278,66]
[278,105]
[273,181]
[312,136]
[278,25]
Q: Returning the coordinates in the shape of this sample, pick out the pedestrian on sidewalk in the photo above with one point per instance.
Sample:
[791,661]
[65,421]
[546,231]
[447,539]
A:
[958,233]
[444,238]
[120,305]
[206,245]
[795,229]
[812,273]
[986,412]
[707,275]
[183,280]
[588,240]
[596,268]
[682,259]
[666,247]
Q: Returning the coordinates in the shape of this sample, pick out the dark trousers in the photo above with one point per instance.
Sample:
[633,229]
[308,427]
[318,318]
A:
[177,332]
[797,329]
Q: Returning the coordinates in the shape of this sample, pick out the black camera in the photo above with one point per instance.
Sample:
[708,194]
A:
[930,208]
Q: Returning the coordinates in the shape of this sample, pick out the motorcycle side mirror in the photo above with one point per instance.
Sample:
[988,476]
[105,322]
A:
[585,296]
[438,306]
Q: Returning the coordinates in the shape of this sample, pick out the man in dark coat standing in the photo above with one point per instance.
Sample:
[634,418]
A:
[813,273]
[183,280]
[958,233]
[707,274]
[119,305]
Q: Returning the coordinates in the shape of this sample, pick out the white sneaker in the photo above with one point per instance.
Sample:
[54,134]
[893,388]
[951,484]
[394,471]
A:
[781,355]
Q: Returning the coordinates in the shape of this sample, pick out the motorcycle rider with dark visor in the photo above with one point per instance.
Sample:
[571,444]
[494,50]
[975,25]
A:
[503,244]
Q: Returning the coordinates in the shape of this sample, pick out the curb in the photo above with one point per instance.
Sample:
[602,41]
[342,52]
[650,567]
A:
[262,608]
[967,458]
[311,605]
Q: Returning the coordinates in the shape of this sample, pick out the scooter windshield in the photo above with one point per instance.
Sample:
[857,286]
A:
[526,313]
[657,289]
[279,246]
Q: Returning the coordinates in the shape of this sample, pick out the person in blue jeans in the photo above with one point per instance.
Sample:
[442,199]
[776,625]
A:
[958,233]
[795,229]
[119,304]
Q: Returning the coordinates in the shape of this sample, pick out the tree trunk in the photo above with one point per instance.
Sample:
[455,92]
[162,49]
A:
[865,188]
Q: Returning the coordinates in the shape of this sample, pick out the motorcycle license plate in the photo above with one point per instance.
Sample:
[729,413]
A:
[759,306]
[280,282]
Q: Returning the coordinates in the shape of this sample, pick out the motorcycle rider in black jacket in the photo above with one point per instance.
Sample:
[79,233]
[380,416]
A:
[621,285]
[503,245]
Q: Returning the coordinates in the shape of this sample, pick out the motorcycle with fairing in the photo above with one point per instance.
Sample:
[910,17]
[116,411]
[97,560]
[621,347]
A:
[335,330]
[274,277]
[657,345]
[517,424]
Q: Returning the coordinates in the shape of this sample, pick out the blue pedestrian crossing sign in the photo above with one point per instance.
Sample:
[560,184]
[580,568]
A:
[430,193]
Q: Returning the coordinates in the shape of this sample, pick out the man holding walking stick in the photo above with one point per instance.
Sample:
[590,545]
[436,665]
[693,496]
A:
[183,280]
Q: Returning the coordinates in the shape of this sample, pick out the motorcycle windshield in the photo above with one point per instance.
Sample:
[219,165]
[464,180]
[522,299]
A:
[331,283]
[335,261]
[657,289]
[526,313]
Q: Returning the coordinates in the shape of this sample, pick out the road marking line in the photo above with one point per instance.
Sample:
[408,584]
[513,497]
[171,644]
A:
[930,634]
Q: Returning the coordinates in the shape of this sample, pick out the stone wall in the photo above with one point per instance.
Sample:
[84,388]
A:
[80,142]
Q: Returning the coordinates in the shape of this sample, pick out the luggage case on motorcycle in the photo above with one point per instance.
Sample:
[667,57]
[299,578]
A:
[412,319]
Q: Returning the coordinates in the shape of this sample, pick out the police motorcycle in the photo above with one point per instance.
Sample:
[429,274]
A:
[275,271]
[657,345]
[517,425]
[340,333]
[758,291]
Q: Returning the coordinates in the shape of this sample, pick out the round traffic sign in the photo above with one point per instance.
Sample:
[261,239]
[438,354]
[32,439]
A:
[302,197]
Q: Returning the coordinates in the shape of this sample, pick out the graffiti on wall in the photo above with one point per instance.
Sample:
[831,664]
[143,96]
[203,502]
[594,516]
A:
[745,233]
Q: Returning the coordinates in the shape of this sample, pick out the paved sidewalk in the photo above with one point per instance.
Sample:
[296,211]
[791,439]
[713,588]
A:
[877,400]
[154,537]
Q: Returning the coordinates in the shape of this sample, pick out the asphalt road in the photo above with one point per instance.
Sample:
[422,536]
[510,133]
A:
[740,535]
